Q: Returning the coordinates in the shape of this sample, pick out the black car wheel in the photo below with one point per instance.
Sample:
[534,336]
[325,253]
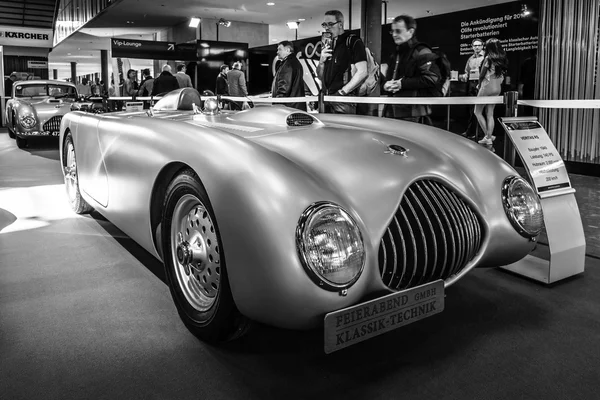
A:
[11,130]
[21,142]
[78,204]
[195,262]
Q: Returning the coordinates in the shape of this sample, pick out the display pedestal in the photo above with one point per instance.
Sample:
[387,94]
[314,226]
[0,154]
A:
[565,239]
[549,177]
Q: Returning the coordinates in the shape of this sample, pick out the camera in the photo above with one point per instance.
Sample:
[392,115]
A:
[326,39]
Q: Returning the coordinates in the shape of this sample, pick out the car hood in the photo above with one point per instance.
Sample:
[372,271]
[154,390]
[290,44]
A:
[353,156]
[49,107]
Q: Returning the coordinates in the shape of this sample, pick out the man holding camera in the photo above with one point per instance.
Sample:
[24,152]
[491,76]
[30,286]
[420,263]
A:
[338,55]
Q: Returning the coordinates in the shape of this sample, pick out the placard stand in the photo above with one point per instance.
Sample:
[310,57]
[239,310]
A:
[566,238]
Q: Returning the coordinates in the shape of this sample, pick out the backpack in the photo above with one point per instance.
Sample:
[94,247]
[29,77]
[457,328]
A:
[441,61]
[372,80]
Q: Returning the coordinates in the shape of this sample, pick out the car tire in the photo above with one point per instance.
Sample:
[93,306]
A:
[78,204]
[21,142]
[11,131]
[195,263]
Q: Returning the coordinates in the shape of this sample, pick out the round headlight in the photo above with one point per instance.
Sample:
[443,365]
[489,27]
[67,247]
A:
[522,206]
[330,246]
[27,121]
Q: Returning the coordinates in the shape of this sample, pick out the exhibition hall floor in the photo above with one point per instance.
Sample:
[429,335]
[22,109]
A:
[85,313]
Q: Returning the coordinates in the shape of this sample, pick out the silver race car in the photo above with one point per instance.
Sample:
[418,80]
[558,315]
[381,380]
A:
[350,223]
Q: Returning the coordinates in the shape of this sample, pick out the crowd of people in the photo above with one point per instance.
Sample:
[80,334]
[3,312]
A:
[413,69]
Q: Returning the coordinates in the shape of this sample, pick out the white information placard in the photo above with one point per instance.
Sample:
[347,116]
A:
[131,106]
[538,153]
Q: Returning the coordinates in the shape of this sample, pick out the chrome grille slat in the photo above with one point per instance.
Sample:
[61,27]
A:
[429,237]
[447,228]
[433,235]
[459,208]
[383,257]
[53,124]
[420,240]
[412,253]
[441,246]
[403,250]
[458,233]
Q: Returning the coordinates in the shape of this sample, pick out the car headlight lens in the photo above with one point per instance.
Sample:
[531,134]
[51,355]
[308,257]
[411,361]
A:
[27,121]
[330,246]
[522,206]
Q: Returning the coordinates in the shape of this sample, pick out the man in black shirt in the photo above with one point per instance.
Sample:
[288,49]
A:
[335,64]
[411,71]
[165,82]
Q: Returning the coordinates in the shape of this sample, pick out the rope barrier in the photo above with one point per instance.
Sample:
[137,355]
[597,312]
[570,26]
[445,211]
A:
[462,100]
[560,103]
[450,101]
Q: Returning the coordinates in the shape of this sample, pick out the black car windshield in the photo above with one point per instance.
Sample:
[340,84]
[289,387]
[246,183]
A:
[44,90]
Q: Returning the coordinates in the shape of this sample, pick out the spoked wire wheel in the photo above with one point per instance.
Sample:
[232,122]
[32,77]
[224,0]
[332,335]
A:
[78,204]
[195,253]
[71,172]
[195,264]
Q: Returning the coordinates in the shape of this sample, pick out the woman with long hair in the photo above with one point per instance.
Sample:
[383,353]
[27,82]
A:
[131,83]
[493,68]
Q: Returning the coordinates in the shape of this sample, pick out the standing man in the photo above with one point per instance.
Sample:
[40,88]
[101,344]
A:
[147,83]
[222,85]
[471,76]
[183,79]
[289,78]
[336,63]
[8,85]
[411,71]
[237,84]
[165,82]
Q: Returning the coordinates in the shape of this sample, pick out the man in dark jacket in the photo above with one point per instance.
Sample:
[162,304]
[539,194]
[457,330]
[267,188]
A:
[222,85]
[410,72]
[165,82]
[289,79]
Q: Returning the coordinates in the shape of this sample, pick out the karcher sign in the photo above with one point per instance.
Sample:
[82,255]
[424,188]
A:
[28,37]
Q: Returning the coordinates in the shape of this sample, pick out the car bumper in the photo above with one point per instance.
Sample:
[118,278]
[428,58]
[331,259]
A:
[37,133]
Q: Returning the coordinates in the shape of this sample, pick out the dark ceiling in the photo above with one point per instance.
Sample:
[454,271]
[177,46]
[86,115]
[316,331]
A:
[28,13]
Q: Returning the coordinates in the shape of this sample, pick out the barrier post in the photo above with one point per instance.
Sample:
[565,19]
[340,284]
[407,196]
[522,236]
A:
[562,220]
[510,110]
[321,101]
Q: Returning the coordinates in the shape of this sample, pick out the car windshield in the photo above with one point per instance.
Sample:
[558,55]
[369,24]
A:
[45,90]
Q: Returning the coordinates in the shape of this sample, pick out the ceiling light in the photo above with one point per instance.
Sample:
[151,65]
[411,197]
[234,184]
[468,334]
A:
[524,10]
[292,25]
[301,19]
[225,23]
[274,40]
[270,4]
[194,22]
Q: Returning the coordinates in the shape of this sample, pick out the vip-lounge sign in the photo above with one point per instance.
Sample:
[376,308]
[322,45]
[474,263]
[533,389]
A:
[26,37]
[143,49]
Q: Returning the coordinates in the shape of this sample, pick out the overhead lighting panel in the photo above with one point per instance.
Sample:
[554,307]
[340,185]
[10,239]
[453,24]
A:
[292,25]
[194,22]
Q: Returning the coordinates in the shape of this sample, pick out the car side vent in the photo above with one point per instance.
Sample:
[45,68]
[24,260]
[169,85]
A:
[299,119]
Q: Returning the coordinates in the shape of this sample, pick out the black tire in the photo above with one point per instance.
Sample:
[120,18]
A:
[199,287]
[78,204]
[21,142]
[11,131]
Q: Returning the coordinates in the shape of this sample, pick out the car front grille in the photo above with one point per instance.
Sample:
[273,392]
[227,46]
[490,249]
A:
[433,235]
[53,124]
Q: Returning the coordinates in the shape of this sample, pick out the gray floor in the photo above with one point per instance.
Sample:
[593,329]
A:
[85,313]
